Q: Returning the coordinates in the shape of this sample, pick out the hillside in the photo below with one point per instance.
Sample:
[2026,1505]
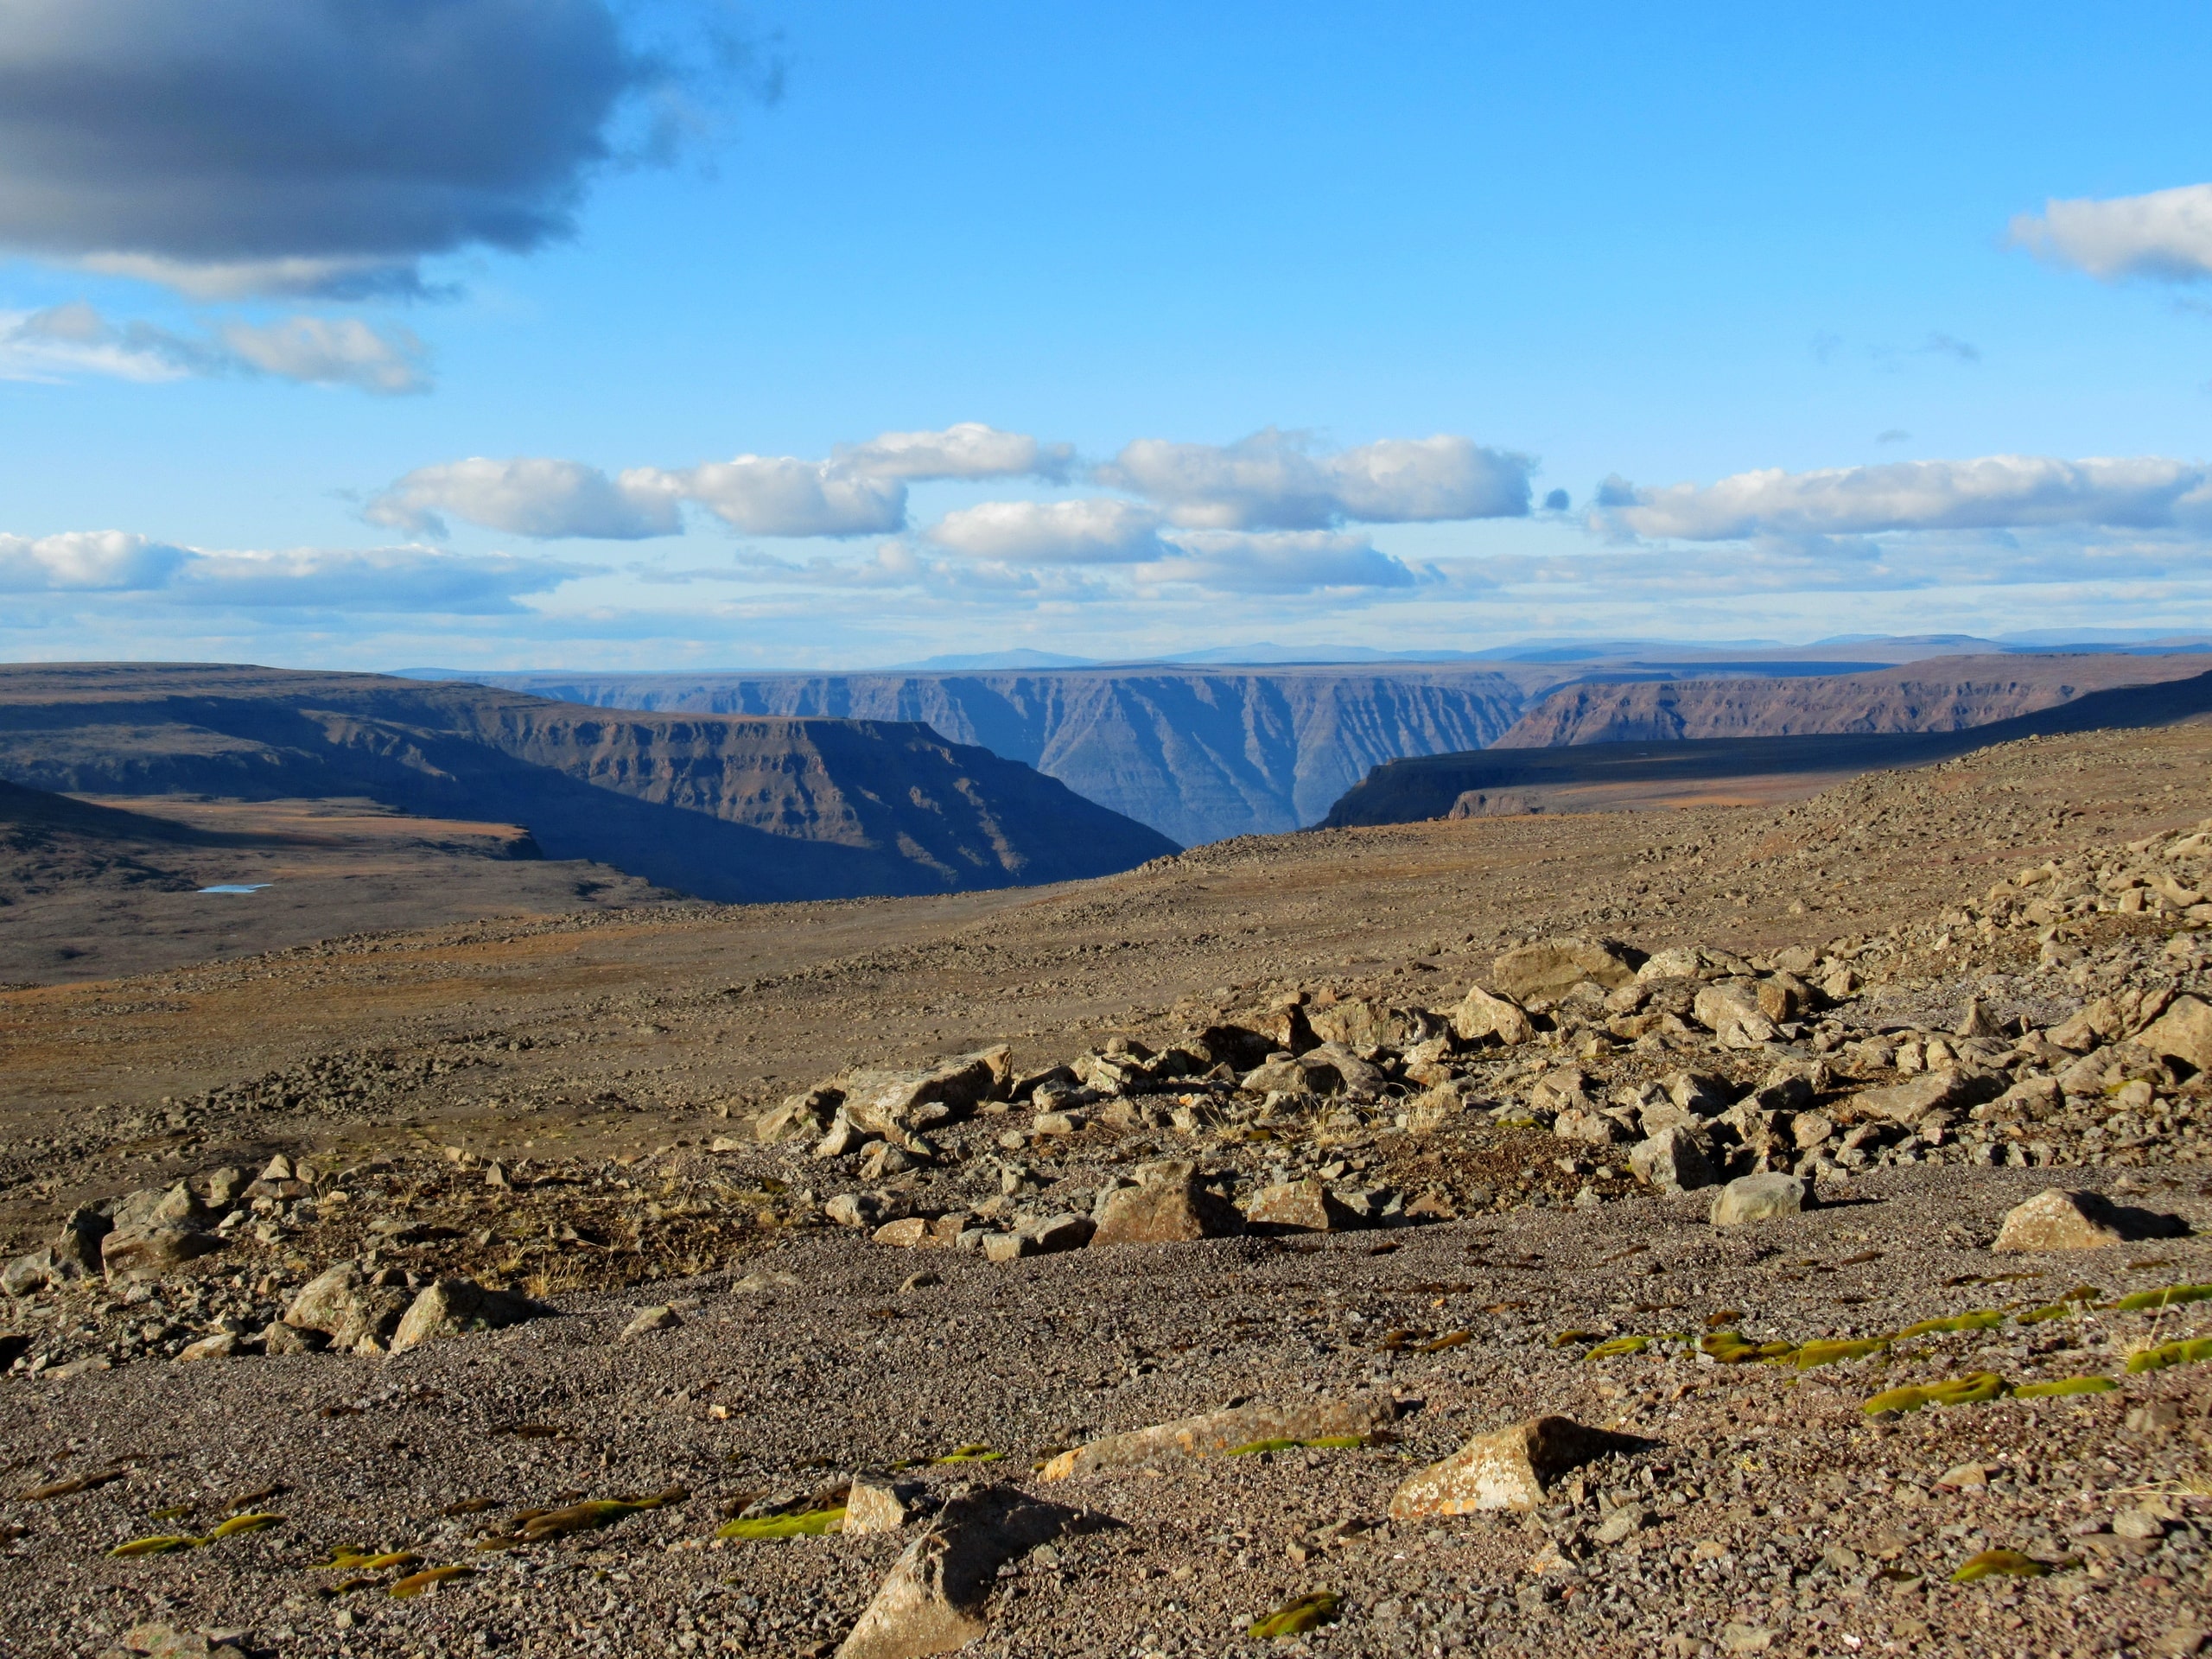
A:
[1593,776]
[724,809]
[1199,755]
[1946,695]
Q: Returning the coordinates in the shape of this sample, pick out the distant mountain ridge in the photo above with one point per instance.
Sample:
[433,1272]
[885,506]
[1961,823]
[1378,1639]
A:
[1199,755]
[732,809]
[1943,695]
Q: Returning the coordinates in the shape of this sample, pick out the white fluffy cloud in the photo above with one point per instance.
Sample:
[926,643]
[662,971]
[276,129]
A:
[781,495]
[86,562]
[1275,480]
[65,340]
[2166,234]
[530,498]
[967,449]
[383,579]
[1292,561]
[860,491]
[1990,493]
[1092,530]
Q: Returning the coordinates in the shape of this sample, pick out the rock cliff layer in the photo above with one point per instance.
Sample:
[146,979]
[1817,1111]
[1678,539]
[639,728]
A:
[1199,755]
[732,809]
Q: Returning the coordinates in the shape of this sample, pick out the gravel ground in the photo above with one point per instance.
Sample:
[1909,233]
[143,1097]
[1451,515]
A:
[1748,1507]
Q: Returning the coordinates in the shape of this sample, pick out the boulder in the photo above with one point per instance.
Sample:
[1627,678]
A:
[344,1306]
[895,1104]
[1304,1207]
[1167,1205]
[1064,1231]
[935,1597]
[1238,1047]
[223,1345]
[1509,1469]
[156,1206]
[905,1234]
[1552,968]
[1758,1197]
[1008,1247]
[218,1189]
[801,1117]
[2183,1031]
[1783,997]
[1362,1023]
[1731,1013]
[1213,1433]
[878,1504]
[77,1246]
[141,1252]
[278,1338]
[1481,1017]
[28,1274]
[1591,1128]
[452,1308]
[1326,1069]
[1949,1089]
[1673,1161]
[2055,1219]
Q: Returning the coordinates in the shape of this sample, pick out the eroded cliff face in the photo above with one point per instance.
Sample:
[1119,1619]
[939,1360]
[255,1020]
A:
[1947,694]
[1199,755]
[737,809]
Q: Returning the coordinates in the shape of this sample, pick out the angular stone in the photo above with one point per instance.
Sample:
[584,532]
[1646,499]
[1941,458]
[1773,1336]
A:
[1481,1016]
[218,1189]
[1732,1014]
[1362,1023]
[935,1597]
[142,1251]
[1674,1159]
[2183,1031]
[279,1338]
[647,1321]
[221,1345]
[1758,1197]
[1304,1207]
[1328,1069]
[452,1307]
[343,1306]
[1783,997]
[905,1234]
[1948,1089]
[76,1248]
[1065,1231]
[2058,1220]
[1216,1432]
[1509,1469]
[894,1104]
[157,1206]
[800,1117]
[1167,1206]
[853,1209]
[1589,1128]
[1553,967]
[28,1274]
[878,1504]
[1006,1247]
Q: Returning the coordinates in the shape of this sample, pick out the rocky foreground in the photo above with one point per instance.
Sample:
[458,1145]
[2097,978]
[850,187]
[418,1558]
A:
[1841,1296]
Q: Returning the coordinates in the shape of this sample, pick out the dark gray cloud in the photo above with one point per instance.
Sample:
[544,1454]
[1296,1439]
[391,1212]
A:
[233,147]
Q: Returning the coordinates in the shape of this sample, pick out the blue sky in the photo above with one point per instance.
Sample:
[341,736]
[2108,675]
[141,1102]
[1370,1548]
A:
[1247,323]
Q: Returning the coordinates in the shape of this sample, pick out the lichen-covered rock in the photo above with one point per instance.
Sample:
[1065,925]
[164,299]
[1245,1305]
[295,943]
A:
[1512,1468]
[1301,1206]
[452,1308]
[1758,1197]
[1731,1013]
[1552,968]
[1362,1023]
[934,1599]
[2183,1031]
[2058,1220]
[1167,1205]
[142,1252]
[1482,1017]
[1676,1159]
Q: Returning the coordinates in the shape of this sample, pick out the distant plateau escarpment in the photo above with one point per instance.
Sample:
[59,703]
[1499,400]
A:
[724,808]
